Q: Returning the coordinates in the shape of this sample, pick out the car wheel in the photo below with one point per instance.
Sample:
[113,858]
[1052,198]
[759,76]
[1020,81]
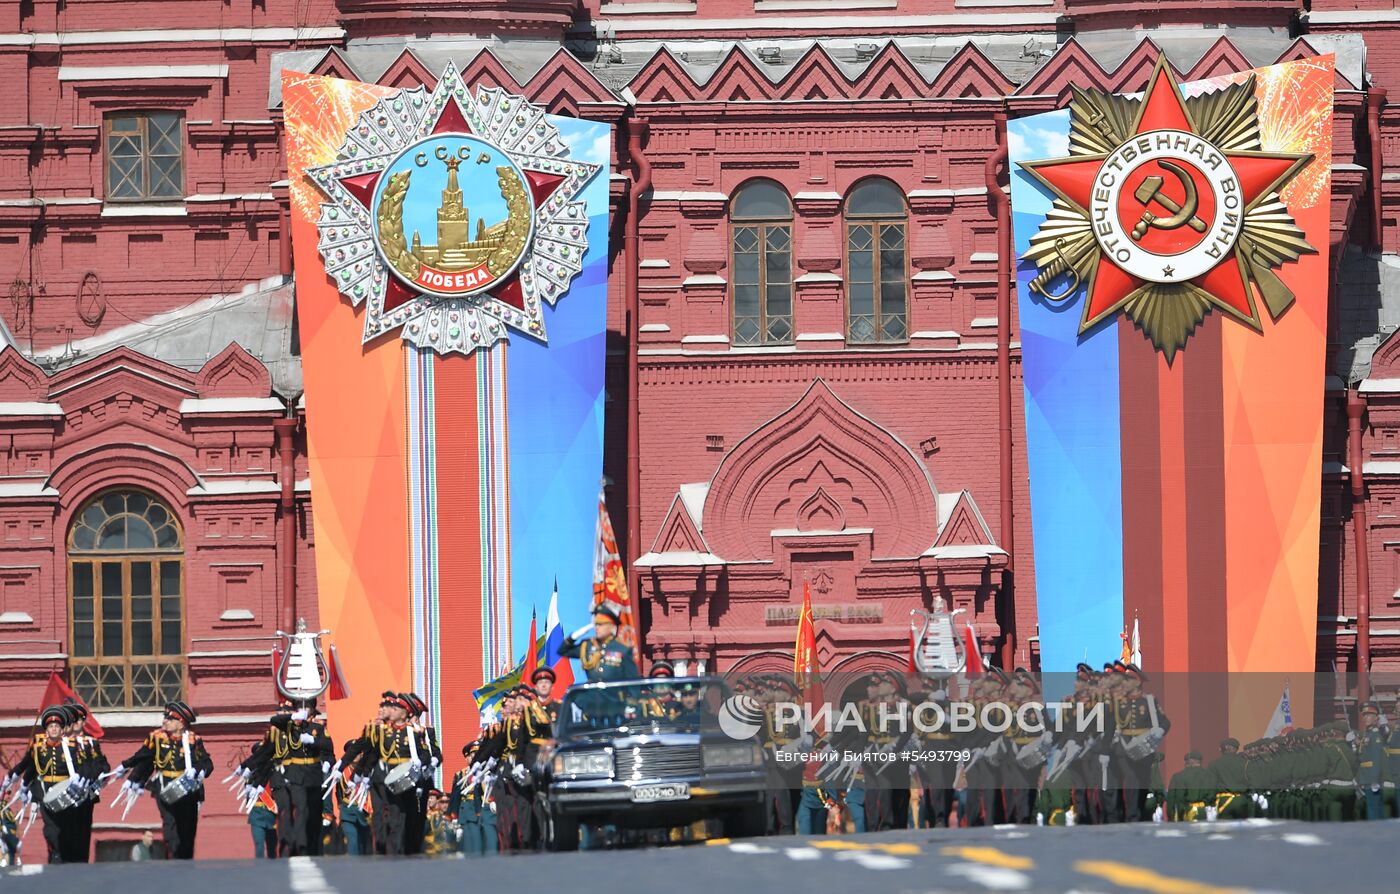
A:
[563,832]
[747,822]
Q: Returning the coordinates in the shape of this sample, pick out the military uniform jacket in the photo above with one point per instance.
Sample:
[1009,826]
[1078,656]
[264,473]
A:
[162,757]
[1133,716]
[1227,774]
[1392,755]
[1371,758]
[43,765]
[387,746]
[604,662]
[293,761]
[1190,787]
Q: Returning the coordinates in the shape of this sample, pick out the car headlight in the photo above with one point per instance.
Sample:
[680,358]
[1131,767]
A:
[584,763]
[742,754]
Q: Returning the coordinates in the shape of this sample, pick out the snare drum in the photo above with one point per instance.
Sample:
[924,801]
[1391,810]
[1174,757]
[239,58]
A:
[63,796]
[400,779]
[179,788]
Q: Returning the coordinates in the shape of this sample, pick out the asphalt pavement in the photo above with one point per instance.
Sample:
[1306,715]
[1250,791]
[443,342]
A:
[1250,857]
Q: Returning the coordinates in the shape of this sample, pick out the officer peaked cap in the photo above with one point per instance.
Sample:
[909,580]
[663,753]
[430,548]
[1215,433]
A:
[541,672]
[181,710]
[606,610]
[661,668]
[52,713]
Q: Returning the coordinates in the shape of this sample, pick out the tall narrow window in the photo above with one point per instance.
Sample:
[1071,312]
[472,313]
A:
[145,156]
[877,287]
[125,586]
[760,239]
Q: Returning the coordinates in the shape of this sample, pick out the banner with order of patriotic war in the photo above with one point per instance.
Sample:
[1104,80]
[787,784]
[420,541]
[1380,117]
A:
[451,271]
[1172,281]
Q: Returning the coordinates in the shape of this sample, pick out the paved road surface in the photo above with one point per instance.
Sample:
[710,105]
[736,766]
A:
[1219,858]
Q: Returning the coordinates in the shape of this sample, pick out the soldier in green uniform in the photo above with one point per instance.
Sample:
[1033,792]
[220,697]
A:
[1337,787]
[1190,791]
[604,659]
[1392,766]
[1157,792]
[1371,761]
[1230,790]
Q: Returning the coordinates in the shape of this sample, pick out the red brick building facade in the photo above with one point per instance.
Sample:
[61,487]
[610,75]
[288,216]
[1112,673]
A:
[812,359]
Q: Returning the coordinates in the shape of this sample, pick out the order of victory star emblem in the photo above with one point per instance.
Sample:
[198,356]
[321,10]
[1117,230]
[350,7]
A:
[453,217]
[1165,209]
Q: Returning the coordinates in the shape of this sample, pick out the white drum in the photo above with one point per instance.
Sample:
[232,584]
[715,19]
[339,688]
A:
[401,778]
[63,796]
[179,788]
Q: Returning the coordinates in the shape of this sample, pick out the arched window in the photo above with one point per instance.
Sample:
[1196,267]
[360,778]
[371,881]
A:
[877,284]
[126,586]
[760,238]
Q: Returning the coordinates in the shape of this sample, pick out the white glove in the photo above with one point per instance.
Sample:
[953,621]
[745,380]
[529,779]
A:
[308,739]
[1351,736]
[434,762]
[110,773]
[579,633]
[521,773]
[190,772]
[325,768]
[200,775]
[300,714]
[131,788]
[492,805]
[1040,819]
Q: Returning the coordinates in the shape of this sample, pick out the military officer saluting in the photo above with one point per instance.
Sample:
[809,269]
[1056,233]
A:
[172,764]
[604,658]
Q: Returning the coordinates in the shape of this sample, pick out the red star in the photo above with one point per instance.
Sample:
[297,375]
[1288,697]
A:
[1258,174]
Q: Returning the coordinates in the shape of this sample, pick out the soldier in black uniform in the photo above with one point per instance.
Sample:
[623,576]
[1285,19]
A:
[382,748]
[1020,776]
[173,753]
[91,766]
[52,761]
[299,754]
[887,781]
[1134,713]
[432,758]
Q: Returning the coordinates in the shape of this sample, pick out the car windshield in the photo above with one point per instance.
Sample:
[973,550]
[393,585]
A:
[684,704]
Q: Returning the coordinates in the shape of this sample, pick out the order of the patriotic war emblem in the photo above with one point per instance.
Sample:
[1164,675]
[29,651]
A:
[1166,208]
[453,218]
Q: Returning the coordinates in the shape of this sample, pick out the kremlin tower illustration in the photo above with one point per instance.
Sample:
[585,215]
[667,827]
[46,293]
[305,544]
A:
[454,251]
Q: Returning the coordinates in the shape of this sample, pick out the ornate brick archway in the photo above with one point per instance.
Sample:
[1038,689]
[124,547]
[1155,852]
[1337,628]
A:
[821,496]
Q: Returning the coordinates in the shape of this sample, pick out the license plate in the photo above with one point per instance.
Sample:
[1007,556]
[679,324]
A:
[674,791]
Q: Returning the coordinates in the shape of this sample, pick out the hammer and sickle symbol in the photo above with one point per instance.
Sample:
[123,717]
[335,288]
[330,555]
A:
[1183,213]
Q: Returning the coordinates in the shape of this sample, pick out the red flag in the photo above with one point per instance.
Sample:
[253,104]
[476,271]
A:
[804,651]
[276,665]
[531,656]
[58,692]
[338,688]
[974,657]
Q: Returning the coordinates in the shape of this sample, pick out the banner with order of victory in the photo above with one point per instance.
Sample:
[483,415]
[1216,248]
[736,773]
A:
[451,272]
